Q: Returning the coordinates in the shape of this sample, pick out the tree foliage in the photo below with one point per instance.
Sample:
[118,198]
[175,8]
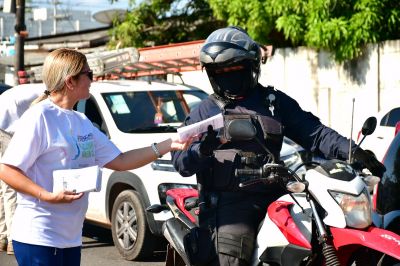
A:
[342,27]
[158,22]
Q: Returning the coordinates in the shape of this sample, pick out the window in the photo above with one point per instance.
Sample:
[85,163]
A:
[193,98]
[151,111]
[391,118]
[90,109]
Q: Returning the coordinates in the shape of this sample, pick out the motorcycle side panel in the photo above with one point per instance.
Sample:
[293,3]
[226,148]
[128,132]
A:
[289,255]
[291,220]
[180,194]
[175,232]
[276,234]
[374,238]
[269,235]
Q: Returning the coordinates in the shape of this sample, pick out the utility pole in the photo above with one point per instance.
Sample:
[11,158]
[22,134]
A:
[21,33]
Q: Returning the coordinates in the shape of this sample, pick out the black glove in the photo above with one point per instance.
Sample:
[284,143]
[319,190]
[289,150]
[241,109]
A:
[210,142]
[368,160]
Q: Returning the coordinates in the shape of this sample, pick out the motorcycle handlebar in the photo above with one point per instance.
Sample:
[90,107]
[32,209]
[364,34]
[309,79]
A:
[249,172]
[267,174]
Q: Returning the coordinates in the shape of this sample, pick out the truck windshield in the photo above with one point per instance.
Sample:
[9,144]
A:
[151,111]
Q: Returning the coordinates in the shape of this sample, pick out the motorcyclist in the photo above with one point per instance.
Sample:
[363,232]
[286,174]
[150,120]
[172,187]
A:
[232,214]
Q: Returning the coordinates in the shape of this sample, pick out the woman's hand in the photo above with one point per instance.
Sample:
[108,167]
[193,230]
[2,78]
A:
[178,144]
[60,197]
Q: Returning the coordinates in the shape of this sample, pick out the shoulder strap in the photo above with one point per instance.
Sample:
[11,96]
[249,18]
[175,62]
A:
[220,102]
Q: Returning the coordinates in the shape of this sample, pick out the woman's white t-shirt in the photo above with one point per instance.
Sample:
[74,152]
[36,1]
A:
[50,138]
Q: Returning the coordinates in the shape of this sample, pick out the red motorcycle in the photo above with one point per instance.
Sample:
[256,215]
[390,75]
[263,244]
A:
[325,219]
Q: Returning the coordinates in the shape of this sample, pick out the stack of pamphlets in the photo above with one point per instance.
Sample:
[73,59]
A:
[86,179]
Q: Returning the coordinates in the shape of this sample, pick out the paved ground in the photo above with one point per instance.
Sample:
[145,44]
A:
[98,250]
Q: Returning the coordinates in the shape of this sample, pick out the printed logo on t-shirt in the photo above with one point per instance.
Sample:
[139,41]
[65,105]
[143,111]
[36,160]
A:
[86,145]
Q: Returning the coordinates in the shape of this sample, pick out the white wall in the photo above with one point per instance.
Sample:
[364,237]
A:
[327,88]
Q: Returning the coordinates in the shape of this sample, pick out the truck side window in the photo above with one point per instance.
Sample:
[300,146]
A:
[92,112]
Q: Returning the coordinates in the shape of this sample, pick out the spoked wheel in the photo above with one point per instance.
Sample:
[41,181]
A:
[130,230]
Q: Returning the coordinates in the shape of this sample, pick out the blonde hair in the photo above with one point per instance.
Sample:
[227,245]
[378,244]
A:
[58,65]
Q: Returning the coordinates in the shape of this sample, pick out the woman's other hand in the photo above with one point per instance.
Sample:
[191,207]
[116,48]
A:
[60,197]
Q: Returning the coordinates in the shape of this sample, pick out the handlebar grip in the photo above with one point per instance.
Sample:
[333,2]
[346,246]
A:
[248,172]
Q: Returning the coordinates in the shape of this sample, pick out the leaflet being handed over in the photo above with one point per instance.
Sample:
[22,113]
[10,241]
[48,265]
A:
[216,121]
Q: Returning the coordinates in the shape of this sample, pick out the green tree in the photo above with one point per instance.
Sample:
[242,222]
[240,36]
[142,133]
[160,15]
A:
[342,27]
[158,22]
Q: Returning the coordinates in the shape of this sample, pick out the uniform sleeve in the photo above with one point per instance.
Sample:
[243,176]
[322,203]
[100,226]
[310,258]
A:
[106,150]
[190,162]
[307,130]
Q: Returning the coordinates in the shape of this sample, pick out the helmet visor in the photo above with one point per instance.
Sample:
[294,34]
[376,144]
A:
[231,82]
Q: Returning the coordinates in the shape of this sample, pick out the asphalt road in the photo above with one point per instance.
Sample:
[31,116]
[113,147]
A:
[98,250]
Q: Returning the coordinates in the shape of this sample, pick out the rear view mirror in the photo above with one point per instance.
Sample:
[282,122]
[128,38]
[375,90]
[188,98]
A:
[369,126]
[241,129]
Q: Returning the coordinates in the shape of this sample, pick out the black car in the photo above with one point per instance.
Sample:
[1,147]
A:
[386,198]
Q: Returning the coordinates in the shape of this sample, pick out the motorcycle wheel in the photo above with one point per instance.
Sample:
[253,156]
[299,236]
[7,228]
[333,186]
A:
[129,227]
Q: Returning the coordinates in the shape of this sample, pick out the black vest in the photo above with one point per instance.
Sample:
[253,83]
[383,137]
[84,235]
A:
[246,154]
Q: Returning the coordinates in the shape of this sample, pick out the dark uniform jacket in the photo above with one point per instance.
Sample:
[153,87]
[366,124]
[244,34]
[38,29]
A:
[300,126]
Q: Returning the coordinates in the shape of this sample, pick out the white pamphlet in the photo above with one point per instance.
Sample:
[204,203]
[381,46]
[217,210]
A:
[78,180]
[216,121]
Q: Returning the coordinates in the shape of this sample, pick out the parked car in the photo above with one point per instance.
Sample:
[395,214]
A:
[386,199]
[134,114]
[384,133]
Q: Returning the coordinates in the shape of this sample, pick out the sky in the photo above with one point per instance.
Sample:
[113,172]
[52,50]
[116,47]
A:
[92,5]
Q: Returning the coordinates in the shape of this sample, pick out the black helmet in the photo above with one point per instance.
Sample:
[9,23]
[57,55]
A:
[230,47]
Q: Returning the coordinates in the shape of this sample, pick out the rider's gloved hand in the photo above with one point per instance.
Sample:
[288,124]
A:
[210,142]
[369,160]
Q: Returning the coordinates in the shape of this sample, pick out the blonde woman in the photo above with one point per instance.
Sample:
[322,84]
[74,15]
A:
[47,226]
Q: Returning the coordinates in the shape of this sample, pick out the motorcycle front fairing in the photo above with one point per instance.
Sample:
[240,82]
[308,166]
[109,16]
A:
[322,182]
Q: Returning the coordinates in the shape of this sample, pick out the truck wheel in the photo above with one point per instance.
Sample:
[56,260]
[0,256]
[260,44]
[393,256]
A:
[130,231]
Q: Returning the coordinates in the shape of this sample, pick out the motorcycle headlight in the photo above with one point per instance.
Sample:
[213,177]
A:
[356,208]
